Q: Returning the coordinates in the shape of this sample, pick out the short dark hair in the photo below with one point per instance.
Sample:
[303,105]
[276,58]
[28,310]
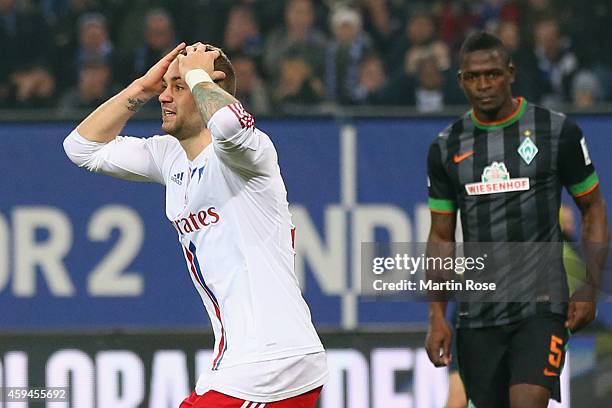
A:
[224,64]
[482,40]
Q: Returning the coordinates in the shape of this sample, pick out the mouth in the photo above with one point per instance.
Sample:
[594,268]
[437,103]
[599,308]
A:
[168,114]
[485,99]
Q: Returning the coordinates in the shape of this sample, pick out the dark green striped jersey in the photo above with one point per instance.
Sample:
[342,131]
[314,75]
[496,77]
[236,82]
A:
[506,178]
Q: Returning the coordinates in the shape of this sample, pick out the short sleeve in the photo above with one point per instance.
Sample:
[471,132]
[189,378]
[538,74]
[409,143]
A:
[576,170]
[442,196]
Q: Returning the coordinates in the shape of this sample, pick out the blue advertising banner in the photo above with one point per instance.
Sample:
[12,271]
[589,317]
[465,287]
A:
[80,250]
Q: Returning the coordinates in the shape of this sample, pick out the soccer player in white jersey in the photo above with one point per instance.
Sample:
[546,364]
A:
[227,200]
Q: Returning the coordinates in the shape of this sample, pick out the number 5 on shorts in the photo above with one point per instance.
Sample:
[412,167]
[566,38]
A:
[556,352]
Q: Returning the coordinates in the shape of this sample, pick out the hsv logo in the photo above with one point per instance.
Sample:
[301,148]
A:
[178,178]
[197,221]
[457,158]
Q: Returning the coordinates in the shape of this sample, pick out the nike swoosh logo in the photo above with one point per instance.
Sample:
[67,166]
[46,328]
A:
[460,157]
[549,373]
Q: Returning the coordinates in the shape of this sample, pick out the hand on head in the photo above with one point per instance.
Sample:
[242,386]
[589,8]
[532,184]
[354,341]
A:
[151,81]
[200,56]
[194,56]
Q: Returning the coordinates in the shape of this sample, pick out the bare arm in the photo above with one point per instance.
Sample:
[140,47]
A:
[235,138]
[440,244]
[595,239]
[209,98]
[105,123]
[595,234]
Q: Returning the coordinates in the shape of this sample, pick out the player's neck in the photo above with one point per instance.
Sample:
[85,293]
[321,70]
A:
[193,146]
[505,111]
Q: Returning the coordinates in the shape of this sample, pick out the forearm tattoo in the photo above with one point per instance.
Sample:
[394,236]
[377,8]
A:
[134,104]
[210,98]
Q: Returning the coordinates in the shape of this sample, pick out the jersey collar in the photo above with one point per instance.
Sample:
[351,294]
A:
[202,157]
[497,124]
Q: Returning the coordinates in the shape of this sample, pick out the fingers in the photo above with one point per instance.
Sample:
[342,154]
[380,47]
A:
[579,315]
[218,76]
[176,51]
[434,356]
[446,349]
[571,312]
[199,47]
[437,354]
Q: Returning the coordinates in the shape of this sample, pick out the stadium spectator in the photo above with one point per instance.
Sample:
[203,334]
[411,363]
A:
[93,44]
[159,37]
[372,87]
[242,33]
[556,63]
[34,87]
[344,55]
[297,85]
[492,12]
[430,89]
[203,19]
[429,92]
[402,33]
[527,81]
[65,31]
[383,20]
[456,19]
[94,87]
[534,11]
[26,78]
[268,13]
[250,89]
[298,37]
[420,42]
[588,26]
[585,89]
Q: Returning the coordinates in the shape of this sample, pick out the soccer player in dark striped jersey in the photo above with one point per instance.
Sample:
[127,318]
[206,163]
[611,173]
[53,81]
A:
[503,165]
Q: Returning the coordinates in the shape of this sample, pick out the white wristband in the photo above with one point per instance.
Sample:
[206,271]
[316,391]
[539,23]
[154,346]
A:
[195,76]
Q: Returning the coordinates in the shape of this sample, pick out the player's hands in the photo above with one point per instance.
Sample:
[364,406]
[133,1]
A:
[581,311]
[438,341]
[197,57]
[151,82]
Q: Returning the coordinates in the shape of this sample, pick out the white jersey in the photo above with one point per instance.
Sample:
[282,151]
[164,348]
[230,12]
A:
[229,207]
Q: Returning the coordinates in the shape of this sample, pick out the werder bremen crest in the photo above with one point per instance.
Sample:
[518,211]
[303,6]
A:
[495,172]
[528,150]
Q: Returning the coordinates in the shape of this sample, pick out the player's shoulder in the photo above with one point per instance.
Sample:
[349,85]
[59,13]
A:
[164,147]
[164,139]
[554,114]
[452,128]
[561,126]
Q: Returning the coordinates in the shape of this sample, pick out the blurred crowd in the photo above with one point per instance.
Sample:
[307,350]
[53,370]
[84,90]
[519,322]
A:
[74,54]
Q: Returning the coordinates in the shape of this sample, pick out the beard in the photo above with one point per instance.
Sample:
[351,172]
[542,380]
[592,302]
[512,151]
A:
[182,129]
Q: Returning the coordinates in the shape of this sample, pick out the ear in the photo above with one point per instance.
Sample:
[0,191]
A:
[512,72]
[459,81]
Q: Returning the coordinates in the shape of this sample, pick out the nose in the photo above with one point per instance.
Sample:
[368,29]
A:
[483,83]
[165,96]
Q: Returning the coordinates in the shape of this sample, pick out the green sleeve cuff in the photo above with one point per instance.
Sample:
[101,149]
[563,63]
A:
[441,205]
[585,186]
